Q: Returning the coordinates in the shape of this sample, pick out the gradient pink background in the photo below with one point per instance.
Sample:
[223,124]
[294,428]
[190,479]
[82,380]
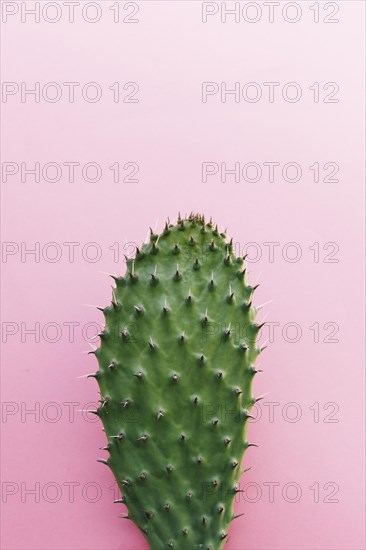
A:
[169,133]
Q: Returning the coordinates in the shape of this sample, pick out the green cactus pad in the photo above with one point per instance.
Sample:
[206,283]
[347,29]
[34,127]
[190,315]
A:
[176,365]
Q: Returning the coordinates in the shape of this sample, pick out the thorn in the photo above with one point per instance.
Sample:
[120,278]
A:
[119,501]
[263,305]
[256,371]
[102,461]
[227,440]
[126,403]
[154,278]
[234,463]
[175,377]
[247,415]
[160,414]
[195,400]
[169,469]
[139,309]
[139,374]
[176,249]
[201,359]
[124,517]
[237,516]
[177,276]
[182,337]
[108,274]
[154,248]
[196,265]
[132,274]
[166,506]
[98,307]
[256,399]
[227,331]
[264,345]
[220,509]
[230,297]
[103,400]
[144,437]
[265,317]
[120,436]
[247,445]
[219,375]
[114,299]
[91,375]
[152,344]
[238,391]
[133,278]
[192,242]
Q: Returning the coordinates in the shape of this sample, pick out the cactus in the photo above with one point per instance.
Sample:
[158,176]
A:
[176,365]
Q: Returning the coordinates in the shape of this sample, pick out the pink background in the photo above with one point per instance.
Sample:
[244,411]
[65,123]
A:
[169,133]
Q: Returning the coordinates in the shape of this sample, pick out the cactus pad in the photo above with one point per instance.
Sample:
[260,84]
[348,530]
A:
[176,364]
